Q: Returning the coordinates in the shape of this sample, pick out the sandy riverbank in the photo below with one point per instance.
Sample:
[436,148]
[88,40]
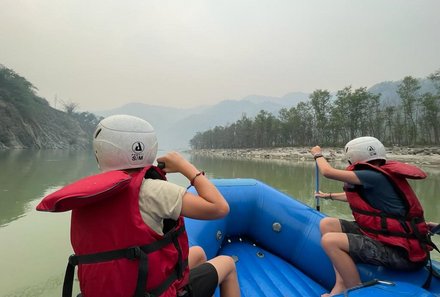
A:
[429,156]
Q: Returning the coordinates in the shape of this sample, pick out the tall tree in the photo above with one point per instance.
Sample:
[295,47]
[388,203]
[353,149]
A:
[407,91]
[342,125]
[243,132]
[287,118]
[320,101]
[431,113]
[266,133]
[430,105]
[303,119]
[435,78]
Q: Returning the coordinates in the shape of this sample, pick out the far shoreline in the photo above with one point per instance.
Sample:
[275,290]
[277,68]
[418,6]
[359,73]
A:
[427,156]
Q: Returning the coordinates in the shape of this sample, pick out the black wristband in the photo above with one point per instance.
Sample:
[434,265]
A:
[317,155]
[197,175]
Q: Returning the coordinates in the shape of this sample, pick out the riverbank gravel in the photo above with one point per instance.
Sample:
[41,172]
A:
[429,156]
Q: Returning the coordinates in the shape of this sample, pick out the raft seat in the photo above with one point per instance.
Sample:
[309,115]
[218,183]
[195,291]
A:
[262,273]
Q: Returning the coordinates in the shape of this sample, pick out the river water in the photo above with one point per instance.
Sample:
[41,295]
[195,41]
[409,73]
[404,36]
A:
[34,246]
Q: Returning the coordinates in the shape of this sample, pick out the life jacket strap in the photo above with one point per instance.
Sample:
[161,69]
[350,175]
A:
[180,265]
[389,233]
[387,215]
[431,270]
[132,253]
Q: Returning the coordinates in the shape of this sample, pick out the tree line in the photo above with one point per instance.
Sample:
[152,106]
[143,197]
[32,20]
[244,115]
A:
[334,120]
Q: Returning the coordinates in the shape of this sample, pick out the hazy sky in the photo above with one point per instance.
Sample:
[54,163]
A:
[103,53]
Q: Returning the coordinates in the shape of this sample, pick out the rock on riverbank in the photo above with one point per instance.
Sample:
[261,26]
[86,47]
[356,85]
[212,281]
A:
[423,155]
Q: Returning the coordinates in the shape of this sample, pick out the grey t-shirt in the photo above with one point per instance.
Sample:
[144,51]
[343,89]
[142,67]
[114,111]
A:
[160,200]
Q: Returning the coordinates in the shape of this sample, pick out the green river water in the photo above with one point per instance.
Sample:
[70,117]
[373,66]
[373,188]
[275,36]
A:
[34,246]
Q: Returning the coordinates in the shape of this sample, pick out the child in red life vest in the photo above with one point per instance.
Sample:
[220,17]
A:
[382,203]
[127,227]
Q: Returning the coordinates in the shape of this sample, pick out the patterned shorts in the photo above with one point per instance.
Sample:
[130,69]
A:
[364,249]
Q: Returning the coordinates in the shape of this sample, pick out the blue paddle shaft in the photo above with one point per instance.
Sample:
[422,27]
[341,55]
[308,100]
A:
[318,207]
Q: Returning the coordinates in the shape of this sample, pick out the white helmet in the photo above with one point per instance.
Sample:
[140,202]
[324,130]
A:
[364,149]
[124,142]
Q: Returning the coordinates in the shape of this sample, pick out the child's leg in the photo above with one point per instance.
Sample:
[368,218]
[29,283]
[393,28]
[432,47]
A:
[337,248]
[196,256]
[329,224]
[339,284]
[227,276]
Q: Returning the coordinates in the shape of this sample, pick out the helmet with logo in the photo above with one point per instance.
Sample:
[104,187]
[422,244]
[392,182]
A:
[124,142]
[364,149]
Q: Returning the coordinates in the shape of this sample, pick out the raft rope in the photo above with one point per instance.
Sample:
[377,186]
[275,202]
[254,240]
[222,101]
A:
[368,284]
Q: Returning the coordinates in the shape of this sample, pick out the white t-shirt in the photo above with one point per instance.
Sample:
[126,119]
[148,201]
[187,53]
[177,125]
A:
[160,200]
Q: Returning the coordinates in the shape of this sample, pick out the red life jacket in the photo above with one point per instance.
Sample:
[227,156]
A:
[117,253]
[409,232]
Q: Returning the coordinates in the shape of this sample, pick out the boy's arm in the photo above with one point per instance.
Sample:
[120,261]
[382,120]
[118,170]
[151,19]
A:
[209,204]
[329,172]
[332,196]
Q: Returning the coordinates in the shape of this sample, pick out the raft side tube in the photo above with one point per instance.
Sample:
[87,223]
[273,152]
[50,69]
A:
[255,208]
[289,229]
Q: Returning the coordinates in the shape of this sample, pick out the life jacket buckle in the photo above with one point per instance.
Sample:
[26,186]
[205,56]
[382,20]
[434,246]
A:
[73,260]
[134,253]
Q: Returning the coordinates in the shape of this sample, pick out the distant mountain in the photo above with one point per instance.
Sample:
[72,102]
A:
[161,117]
[290,99]
[154,113]
[388,90]
[175,127]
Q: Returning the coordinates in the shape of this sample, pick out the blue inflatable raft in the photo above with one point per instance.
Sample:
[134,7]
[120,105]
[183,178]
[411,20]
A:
[275,241]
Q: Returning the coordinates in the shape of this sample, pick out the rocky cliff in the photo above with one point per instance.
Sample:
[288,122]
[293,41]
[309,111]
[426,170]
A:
[45,128]
[27,121]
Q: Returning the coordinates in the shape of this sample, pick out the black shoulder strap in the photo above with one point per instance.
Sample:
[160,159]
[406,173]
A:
[428,280]
[155,173]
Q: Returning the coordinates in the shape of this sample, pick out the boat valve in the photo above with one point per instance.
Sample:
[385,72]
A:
[219,235]
[276,227]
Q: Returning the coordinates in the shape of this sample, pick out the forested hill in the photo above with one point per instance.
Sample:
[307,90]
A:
[27,121]
[404,113]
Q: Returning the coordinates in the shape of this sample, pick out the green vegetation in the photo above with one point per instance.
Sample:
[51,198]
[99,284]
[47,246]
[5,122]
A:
[18,91]
[324,120]
[28,121]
